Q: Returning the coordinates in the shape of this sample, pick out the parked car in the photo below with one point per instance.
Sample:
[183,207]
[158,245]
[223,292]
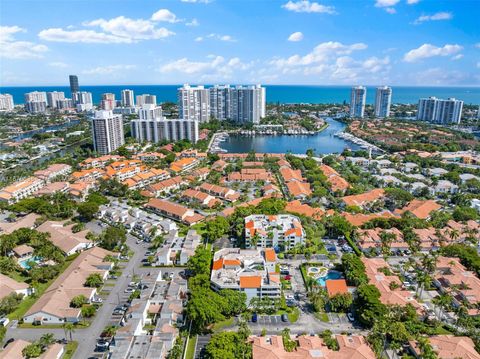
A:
[113,277]
[4,322]
[254,317]
[97,300]
[284,318]
[129,290]
[102,345]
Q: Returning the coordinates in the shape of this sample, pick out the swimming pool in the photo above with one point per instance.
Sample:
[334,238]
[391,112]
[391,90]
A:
[24,263]
[332,274]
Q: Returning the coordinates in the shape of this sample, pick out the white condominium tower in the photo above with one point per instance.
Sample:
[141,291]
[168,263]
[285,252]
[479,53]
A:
[35,102]
[146,99]
[440,111]
[107,132]
[127,98]
[220,102]
[83,100]
[383,100]
[248,104]
[53,97]
[108,101]
[152,126]
[6,102]
[357,101]
[194,103]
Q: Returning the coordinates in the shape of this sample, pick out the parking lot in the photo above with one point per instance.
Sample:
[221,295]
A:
[269,320]
[338,318]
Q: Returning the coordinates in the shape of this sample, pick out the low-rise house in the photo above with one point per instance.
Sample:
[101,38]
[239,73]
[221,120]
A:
[149,156]
[299,190]
[409,167]
[448,347]
[52,188]
[219,165]
[389,285]
[184,165]
[53,307]
[62,236]
[371,239]
[167,186]
[387,180]
[22,252]
[177,250]
[383,163]
[359,161]
[199,174]
[282,231]
[271,190]
[202,198]
[99,162]
[174,211]
[21,189]
[311,347]
[363,200]
[53,171]
[435,172]
[360,219]
[14,350]
[80,189]
[337,182]
[9,286]
[289,174]
[453,278]
[444,186]
[304,209]
[27,221]
[224,193]
[415,187]
[465,177]
[251,271]
[91,174]
[145,178]
[250,175]
[420,209]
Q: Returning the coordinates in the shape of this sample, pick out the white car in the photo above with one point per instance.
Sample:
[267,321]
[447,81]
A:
[4,322]
[129,290]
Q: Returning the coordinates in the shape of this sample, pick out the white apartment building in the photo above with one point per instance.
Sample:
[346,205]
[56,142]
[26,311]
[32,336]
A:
[21,189]
[65,103]
[83,100]
[248,104]
[194,103]
[6,102]
[152,126]
[127,98]
[53,97]
[108,101]
[357,101]
[383,100]
[107,132]
[440,111]
[35,102]
[282,232]
[220,102]
[251,271]
[146,99]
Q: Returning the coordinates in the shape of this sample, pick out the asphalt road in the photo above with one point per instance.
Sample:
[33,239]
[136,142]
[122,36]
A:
[87,337]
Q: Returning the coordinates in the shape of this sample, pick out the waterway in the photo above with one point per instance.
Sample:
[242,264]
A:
[51,128]
[322,143]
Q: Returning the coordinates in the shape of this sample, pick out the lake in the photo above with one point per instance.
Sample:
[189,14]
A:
[322,143]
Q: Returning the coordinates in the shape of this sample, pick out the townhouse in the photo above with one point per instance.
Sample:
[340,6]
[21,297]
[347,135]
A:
[21,189]
[224,193]
[296,185]
[177,250]
[27,221]
[88,175]
[9,286]
[99,162]
[202,198]
[53,307]
[174,211]
[364,200]
[167,186]
[371,239]
[145,178]
[447,347]
[53,171]
[62,236]
[304,209]
[283,231]
[250,175]
[149,156]
[420,209]
[251,271]
[184,164]
[337,182]
[14,350]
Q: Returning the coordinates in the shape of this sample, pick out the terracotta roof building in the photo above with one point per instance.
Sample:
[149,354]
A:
[174,211]
[420,209]
[448,347]
[364,199]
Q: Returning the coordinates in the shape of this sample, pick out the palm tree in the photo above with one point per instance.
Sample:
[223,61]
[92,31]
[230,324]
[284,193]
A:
[70,329]
[454,234]
[47,339]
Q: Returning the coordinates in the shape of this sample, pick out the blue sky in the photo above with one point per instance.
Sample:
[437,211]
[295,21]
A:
[324,42]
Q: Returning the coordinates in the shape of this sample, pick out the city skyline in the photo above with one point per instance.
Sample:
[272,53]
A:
[307,42]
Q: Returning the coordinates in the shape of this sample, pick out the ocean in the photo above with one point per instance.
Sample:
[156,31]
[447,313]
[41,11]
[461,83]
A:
[275,93]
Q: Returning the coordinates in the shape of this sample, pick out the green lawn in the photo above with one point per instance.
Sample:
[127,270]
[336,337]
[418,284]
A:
[70,349]
[80,325]
[322,316]
[293,316]
[224,323]
[191,347]
[26,304]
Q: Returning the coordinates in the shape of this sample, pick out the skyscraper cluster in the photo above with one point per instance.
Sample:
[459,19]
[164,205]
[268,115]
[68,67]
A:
[383,101]
[440,111]
[242,104]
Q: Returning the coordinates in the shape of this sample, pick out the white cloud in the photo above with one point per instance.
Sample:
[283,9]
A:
[85,36]
[296,36]
[435,17]
[58,64]
[194,22]
[13,49]
[135,29]
[309,7]
[214,36]
[428,50]
[387,5]
[457,57]
[117,30]
[477,45]
[165,15]
[412,2]
[199,39]
[107,70]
